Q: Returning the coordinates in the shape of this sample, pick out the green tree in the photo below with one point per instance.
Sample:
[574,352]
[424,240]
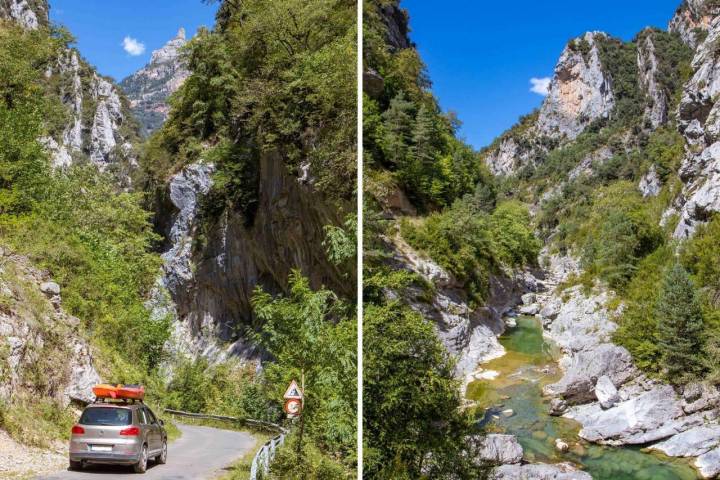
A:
[312,332]
[680,327]
[414,424]
[398,124]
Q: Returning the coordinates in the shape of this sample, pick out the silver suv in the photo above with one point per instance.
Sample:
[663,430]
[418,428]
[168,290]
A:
[120,434]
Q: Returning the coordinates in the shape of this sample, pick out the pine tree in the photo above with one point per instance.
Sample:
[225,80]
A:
[397,123]
[680,327]
[425,169]
[426,138]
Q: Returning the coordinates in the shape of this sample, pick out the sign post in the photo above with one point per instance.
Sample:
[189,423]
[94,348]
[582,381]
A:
[294,400]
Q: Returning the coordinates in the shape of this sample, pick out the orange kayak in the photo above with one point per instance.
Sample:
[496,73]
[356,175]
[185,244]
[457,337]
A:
[105,391]
[136,392]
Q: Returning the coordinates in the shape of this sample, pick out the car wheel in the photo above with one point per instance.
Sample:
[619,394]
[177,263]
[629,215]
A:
[76,465]
[162,458]
[141,465]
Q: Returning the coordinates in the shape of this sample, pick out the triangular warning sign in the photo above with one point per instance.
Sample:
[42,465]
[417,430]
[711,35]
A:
[293,391]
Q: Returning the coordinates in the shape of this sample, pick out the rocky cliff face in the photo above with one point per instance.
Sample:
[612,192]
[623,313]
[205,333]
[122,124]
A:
[692,19]
[584,92]
[396,23]
[656,110]
[100,127]
[41,349]
[149,88]
[580,91]
[31,14]
[699,121]
[212,266]
[468,334]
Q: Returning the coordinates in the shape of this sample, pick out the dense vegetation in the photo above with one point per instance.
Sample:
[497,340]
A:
[271,78]
[95,240]
[415,426]
[472,244]
[276,79]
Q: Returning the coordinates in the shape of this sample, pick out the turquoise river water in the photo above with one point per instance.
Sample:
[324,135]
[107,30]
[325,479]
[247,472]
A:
[528,365]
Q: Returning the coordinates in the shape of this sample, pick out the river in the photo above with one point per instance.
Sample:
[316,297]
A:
[528,365]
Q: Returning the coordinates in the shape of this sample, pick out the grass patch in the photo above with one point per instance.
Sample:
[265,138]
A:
[37,422]
[173,432]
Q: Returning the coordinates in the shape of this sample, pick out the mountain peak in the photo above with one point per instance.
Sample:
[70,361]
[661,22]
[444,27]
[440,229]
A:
[148,88]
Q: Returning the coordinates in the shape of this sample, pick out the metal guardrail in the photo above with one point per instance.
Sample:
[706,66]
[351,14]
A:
[260,465]
[260,424]
[264,457]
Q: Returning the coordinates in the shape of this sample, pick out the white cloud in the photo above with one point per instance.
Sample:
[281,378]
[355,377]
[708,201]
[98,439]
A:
[540,85]
[133,47]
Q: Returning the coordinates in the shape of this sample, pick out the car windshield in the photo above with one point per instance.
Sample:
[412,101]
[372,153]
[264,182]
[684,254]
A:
[106,416]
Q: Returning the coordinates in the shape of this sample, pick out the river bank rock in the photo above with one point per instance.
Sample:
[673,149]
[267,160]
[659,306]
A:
[582,321]
[539,471]
[498,449]
[531,309]
[558,406]
[583,369]
[700,396]
[652,416]
[603,390]
[690,443]
[606,392]
[708,464]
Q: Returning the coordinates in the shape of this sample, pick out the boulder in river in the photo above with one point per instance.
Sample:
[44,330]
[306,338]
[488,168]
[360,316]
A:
[558,406]
[606,392]
[561,445]
[498,449]
[528,298]
[539,471]
[531,309]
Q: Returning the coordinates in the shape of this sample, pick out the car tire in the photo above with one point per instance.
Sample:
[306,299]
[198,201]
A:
[141,465]
[76,465]
[162,458]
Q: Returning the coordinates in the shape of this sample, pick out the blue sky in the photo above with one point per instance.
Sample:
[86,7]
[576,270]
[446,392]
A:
[101,26]
[481,55]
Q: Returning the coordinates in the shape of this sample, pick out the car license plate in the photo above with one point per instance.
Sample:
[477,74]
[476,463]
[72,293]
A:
[101,448]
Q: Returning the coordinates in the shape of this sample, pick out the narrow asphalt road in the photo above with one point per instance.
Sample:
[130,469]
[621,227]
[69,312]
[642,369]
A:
[199,454]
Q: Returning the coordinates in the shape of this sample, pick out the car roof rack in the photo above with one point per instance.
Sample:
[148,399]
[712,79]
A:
[120,401]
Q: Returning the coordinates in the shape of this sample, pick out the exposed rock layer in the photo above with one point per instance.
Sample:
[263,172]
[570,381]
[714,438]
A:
[213,265]
[41,349]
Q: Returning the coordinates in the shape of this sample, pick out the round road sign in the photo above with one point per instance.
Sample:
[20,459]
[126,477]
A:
[293,406]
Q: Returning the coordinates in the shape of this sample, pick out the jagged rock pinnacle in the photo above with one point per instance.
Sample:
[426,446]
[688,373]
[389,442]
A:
[181,34]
